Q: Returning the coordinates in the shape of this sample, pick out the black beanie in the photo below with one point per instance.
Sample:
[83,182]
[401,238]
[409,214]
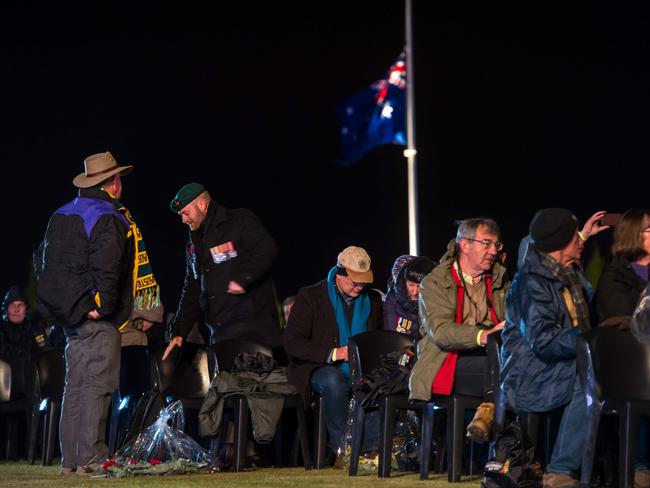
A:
[553,228]
[13,295]
[416,269]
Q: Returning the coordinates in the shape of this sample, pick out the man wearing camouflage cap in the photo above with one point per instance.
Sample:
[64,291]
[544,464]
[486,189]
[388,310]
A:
[322,319]
[227,283]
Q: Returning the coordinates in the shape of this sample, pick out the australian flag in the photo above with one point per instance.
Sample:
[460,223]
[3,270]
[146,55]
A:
[375,116]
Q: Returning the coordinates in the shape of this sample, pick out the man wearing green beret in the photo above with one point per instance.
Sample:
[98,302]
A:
[227,283]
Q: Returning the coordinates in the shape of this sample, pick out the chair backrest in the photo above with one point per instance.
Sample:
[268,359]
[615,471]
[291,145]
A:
[5,381]
[49,367]
[135,375]
[365,350]
[614,364]
[227,351]
[185,374]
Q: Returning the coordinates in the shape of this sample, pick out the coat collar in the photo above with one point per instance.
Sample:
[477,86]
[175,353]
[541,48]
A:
[442,272]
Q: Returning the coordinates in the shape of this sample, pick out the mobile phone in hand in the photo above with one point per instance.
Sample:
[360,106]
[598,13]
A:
[611,219]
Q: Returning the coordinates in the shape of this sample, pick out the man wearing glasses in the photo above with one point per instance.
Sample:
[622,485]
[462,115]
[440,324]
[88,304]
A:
[462,301]
[322,319]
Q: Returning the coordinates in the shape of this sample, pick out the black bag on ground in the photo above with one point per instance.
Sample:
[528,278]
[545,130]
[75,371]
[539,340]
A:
[512,464]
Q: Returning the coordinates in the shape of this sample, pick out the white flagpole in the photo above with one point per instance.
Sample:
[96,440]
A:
[410,151]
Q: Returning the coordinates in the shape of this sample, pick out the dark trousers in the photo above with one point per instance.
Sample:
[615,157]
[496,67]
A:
[91,377]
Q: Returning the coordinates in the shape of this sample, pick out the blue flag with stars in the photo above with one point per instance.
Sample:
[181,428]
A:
[375,116]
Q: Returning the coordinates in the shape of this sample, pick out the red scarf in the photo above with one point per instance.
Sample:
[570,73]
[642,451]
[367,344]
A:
[444,380]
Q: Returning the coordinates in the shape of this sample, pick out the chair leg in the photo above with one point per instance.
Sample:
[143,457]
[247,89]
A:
[628,424]
[592,421]
[114,425]
[357,437]
[428,416]
[33,433]
[321,434]
[456,439]
[54,411]
[241,429]
[304,438]
[386,429]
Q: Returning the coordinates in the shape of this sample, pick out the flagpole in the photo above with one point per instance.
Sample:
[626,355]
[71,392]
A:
[410,151]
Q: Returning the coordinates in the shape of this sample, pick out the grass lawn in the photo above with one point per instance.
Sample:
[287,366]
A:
[22,474]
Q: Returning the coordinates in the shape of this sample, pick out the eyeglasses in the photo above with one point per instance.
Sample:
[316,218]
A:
[354,284]
[487,243]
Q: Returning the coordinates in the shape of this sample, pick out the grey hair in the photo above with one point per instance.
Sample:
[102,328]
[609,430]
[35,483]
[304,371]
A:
[467,228]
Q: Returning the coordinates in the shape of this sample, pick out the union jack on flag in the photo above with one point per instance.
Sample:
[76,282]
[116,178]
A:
[375,116]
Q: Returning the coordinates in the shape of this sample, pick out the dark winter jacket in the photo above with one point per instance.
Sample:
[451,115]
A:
[618,293]
[250,315]
[87,262]
[538,367]
[312,332]
[19,340]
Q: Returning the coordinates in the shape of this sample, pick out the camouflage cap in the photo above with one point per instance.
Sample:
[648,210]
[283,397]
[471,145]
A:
[356,262]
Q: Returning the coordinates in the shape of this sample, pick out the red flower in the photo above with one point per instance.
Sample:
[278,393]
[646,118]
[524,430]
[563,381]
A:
[154,461]
[132,461]
[108,464]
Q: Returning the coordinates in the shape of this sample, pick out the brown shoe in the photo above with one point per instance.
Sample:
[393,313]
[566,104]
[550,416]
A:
[339,462]
[66,471]
[479,428]
[90,469]
[642,478]
[555,480]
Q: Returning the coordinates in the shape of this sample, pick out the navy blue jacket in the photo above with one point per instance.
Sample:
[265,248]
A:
[538,367]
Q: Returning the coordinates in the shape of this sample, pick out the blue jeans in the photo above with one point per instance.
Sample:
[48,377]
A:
[641,461]
[335,388]
[567,452]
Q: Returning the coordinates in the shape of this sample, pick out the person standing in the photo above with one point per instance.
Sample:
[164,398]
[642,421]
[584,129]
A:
[85,286]
[227,283]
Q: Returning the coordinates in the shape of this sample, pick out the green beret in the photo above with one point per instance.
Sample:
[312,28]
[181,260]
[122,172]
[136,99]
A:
[185,195]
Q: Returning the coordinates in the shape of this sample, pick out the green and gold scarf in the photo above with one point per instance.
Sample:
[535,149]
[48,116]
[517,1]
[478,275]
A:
[146,292]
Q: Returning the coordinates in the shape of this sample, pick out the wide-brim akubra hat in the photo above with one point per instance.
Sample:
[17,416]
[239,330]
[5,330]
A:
[99,167]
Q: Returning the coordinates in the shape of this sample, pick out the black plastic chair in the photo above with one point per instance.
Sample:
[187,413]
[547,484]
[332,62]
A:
[364,353]
[16,400]
[320,430]
[614,371]
[529,421]
[185,376]
[226,353]
[135,381]
[49,382]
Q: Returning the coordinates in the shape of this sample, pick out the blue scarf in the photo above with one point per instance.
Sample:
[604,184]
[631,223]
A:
[359,316]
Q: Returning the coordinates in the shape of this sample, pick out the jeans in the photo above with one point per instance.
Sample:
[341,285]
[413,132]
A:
[641,461]
[567,452]
[335,388]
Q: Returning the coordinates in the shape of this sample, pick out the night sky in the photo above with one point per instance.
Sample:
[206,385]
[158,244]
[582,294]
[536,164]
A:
[516,110]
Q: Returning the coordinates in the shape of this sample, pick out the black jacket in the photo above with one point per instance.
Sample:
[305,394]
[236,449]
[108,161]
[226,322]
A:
[87,262]
[312,332]
[618,292]
[250,315]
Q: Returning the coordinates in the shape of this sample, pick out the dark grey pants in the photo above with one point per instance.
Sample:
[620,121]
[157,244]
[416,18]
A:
[92,375]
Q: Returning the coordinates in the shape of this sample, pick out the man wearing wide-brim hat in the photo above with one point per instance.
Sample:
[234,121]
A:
[229,254]
[86,287]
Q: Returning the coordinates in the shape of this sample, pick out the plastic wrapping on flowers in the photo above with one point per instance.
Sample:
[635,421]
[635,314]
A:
[404,451]
[641,318]
[162,448]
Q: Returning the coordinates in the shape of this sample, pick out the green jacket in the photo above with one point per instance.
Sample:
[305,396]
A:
[438,327]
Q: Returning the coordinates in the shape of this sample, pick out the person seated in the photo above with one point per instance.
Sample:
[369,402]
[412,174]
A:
[323,318]
[401,301]
[619,289]
[547,307]
[19,335]
[462,301]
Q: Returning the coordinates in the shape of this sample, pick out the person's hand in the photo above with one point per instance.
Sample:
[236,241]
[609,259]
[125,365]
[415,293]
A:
[592,225]
[176,341]
[235,288]
[94,315]
[342,353]
[146,325]
[496,328]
